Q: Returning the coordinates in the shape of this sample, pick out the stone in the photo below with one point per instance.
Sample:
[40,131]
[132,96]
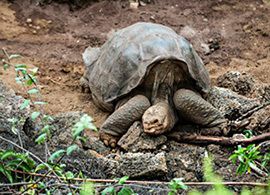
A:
[28,20]
[91,164]
[62,133]
[143,165]
[263,93]
[136,140]
[10,111]
[260,120]
[62,125]
[230,103]
[184,160]
[240,83]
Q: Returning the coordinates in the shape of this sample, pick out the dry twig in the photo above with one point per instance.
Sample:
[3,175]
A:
[224,141]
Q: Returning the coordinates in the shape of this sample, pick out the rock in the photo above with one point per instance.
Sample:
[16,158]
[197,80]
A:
[205,48]
[95,144]
[140,165]
[230,103]
[134,5]
[91,164]
[241,83]
[238,62]
[62,133]
[28,20]
[188,32]
[136,140]
[135,165]
[260,120]
[263,93]
[62,125]
[184,160]
[10,111]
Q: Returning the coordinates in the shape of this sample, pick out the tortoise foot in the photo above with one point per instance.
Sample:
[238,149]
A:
[108,140]
[158,119]
[84,85]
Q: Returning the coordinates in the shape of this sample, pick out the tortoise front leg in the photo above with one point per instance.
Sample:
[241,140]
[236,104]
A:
[194,108]
[122,118]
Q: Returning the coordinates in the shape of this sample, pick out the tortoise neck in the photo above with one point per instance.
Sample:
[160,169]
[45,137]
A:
[163,93]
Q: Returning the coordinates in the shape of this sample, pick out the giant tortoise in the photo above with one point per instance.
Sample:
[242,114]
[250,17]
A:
[148,72]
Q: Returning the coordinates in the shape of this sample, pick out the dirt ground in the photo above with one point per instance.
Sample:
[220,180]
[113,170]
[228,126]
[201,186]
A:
[228,34]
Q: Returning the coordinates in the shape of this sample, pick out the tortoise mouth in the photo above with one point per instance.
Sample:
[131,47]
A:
[158,119]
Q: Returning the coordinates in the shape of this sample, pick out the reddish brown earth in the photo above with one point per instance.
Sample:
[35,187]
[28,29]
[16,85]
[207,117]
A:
[239,32]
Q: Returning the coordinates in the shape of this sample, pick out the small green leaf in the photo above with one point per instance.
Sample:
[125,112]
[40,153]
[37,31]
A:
[40,103]
[13,56]
[34,70]
[35,115]
[7,154]
[6,66]
[31,79]
[126,191]
[109,190]
[22,66]
[47,129]
[87,188]
[41,185]
[47,118]
[72,148]
[33,91]
[25,104]
[123,180]
[9,176]
[42,166]
[177,183]
[56,155]
[77,130]
[29,82]
[69,175]
[41,138]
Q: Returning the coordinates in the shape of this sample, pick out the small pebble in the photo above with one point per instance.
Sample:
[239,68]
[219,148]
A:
[29,20]
[134,5]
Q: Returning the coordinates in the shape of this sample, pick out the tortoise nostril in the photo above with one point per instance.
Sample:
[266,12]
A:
[155,121]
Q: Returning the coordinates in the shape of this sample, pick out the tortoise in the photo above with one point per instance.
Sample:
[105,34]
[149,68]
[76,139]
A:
[148,72]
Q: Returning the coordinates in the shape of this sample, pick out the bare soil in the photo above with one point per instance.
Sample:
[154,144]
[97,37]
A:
[228,34]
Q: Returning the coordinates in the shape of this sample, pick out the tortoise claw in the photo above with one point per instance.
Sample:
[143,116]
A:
[84,85]
[108,140]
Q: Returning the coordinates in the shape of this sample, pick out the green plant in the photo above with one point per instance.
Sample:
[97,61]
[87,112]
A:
[175,185]
[248,133]
[247,157]
[124,190]
[26,77]
[11,160]
[218,186]
[87,188]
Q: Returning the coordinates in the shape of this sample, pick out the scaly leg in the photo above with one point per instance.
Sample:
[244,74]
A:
[122,118]
[194,108]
